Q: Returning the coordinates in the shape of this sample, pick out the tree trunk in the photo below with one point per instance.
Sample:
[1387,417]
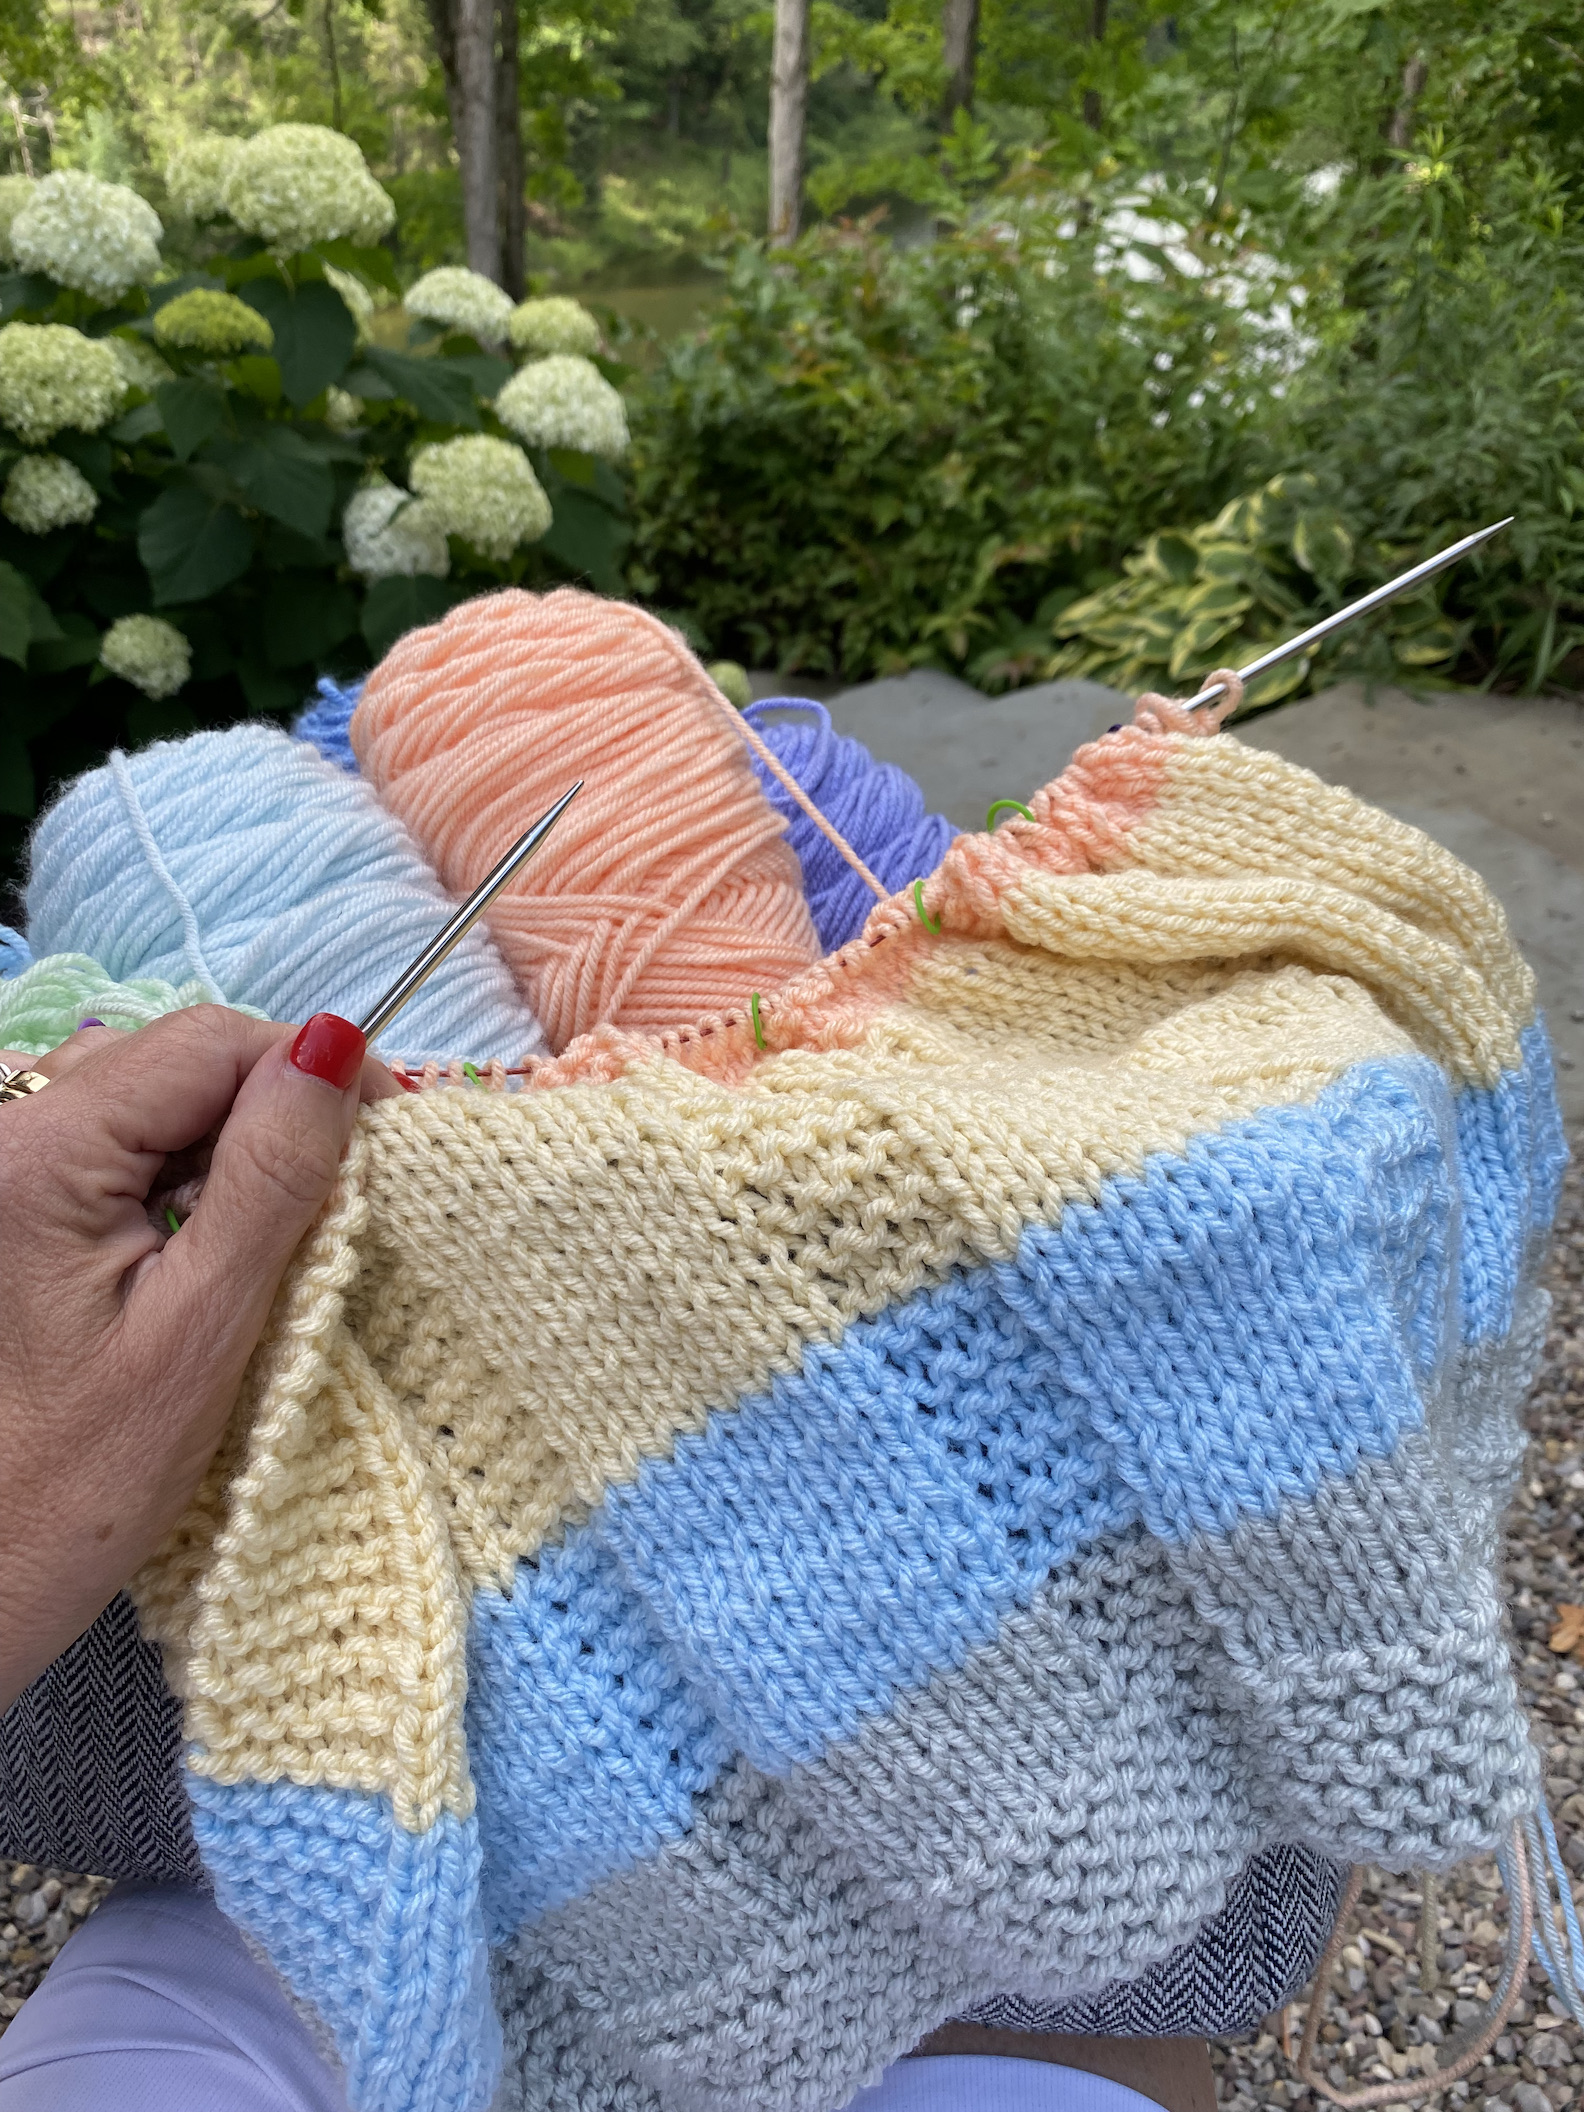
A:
[1399,129]
[509,150]
[959,48]
[1093,114]
[789,80]
[464,33]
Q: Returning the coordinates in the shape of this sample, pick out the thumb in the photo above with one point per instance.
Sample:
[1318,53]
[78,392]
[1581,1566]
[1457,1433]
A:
[275,1162]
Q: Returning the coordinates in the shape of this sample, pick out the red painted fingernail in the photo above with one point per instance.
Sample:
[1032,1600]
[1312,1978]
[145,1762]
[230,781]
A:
[331,1048]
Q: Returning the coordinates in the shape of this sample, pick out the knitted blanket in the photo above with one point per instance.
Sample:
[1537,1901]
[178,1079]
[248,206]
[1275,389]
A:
[734,1553]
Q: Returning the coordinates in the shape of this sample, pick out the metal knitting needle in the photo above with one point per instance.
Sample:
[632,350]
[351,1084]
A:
[413,977]
[1373,600]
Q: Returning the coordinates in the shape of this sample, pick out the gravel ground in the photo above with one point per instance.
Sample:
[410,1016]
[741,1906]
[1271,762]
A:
[1383,2021]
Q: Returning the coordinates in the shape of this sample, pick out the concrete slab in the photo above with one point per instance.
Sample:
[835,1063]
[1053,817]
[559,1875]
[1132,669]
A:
[965,749]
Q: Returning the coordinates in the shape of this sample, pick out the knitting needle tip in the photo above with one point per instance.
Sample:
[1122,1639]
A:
[1376,598]
[417,973]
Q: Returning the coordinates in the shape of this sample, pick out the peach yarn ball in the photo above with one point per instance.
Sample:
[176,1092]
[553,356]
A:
[668,890]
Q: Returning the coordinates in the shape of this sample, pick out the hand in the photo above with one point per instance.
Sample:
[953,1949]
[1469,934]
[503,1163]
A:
[122,1345]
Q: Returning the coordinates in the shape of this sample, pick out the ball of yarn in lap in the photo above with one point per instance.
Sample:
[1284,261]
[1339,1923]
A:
[326,718]
[15,953]
[876,806]
[245,862]
[52,996]
[668,890]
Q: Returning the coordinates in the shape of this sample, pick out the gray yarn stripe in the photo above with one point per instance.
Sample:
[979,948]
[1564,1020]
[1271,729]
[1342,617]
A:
[1336,1679]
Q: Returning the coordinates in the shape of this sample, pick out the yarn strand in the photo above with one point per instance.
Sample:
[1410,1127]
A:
[1521,1909]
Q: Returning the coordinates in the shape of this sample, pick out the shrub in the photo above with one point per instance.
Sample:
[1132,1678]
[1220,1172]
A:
[877,457]
[217,486]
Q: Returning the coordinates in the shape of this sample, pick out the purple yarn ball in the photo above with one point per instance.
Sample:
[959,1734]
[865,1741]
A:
[876,806]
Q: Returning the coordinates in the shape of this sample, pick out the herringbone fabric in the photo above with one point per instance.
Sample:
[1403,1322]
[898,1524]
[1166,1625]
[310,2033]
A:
[90,1764]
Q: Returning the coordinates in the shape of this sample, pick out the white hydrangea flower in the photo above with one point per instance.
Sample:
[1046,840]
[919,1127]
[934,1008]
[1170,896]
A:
[391,535]
[483,490]
[343,410]
[44,492]
[15,192]
[141,366]
[197,172]
[565,401]
[356,295]
[98,238]
[461,300]
[149,653]
[52,376]
[555,324]
[294,185]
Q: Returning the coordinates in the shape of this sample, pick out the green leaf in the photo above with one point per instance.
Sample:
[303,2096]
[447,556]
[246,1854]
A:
[16,624]
[268,693]
[258,376]
[436,388]
[576,467]
[279,473]
[19,290]
[158,719]
[1322,545]
[18,793]
[587,538]
[191,413]
[362,381]
[1171,557]
[304,618]
[315,334]
[137,425]
[1198,639]
[76,644]
[486,374]
[90,454]
[395,606]
[372,263]
[1217,597]
[192,544]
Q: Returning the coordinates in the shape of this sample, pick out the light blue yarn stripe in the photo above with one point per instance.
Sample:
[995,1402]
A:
[375,1928]
[1205,1343]
[1511,1154]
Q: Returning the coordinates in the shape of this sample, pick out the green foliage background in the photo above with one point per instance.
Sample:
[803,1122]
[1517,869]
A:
[1185,334]
[221,494]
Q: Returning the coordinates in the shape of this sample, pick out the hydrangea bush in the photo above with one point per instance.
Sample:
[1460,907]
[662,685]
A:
[217,484]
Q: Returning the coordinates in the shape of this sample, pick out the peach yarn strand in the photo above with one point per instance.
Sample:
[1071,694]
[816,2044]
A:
[668,890]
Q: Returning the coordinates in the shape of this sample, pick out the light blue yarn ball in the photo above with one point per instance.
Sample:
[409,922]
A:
[15,953]
[245,859]
[326,720]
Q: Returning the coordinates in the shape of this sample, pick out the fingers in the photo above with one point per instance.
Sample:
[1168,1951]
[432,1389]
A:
[273,1166]
[62,1060]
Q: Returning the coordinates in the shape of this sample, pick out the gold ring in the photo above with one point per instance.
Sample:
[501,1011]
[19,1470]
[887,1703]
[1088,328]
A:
[17,1085]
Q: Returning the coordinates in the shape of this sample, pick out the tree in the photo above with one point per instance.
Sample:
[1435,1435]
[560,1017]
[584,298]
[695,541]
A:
[464,32]
[959,50]
[789,84]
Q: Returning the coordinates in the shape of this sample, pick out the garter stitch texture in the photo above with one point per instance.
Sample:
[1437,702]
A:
[245,862]
[733,1555]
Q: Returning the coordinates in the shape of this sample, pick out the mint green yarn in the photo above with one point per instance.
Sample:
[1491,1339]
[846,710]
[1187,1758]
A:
[42,1005]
